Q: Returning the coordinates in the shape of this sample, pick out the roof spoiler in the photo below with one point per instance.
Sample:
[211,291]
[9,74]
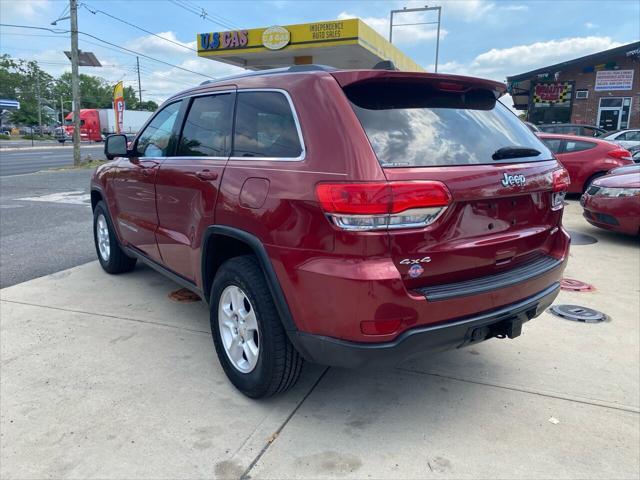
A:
[451,83]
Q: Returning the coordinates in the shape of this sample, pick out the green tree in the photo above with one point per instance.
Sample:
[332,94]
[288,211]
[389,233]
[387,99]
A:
[149,106]
[25,81]
[95,92]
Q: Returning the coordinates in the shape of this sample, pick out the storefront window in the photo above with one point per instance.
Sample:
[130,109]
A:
[551,103]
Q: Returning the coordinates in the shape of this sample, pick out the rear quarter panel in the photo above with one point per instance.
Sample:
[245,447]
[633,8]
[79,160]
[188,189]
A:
[290,223]
[585,164]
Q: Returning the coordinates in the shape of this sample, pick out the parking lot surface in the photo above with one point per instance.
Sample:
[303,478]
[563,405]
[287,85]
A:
[107,377]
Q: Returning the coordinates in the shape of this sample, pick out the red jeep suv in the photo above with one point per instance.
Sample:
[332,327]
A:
[338,217]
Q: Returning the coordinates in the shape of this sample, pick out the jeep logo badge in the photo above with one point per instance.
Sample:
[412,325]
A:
[511,180]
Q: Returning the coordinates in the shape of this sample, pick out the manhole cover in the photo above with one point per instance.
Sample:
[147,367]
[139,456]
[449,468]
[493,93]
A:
[578,313]
[184,295]
[575,285]
[578,238]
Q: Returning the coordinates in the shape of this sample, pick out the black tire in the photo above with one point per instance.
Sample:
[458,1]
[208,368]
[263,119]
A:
[117,261]
[590,180]
[278,365]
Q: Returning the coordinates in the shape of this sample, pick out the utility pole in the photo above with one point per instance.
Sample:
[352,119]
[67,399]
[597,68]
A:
[39,103]
[75,81]
[139,84]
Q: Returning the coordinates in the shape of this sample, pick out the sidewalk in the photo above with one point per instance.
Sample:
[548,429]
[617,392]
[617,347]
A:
[106,377]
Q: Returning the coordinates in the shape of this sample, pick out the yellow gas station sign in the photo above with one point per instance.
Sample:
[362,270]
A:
[341,43]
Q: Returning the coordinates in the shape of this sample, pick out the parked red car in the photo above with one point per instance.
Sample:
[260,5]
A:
[585,158]
[612,202]
[340,217]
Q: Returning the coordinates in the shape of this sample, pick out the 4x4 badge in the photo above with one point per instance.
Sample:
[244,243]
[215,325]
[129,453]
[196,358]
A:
[415,261]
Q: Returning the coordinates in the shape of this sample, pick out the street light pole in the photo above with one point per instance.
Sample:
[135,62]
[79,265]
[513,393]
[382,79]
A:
[438,39]
[419,9]
[75,80]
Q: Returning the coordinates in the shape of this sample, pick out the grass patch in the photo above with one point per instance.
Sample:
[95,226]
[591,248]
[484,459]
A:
[87,163]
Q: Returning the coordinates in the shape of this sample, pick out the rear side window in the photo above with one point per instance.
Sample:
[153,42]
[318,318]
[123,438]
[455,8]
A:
[629,136]
[553,144]
[207,128]
[412,124]
[265,127]
[577,146]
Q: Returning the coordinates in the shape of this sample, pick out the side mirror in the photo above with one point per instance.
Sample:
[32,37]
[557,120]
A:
[116,146]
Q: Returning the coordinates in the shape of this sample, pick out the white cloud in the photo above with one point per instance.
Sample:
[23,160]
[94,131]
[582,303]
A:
[498,63]
[25,9]
[469,10]
[591,25]
[153,45]
[515,8]
[409,35]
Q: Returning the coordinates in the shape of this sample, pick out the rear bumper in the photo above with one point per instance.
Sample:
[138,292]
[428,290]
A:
[505,321]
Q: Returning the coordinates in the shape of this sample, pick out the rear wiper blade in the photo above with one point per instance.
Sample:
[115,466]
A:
[514,152]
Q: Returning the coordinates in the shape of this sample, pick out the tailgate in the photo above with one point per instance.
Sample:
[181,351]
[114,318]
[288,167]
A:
[488,228]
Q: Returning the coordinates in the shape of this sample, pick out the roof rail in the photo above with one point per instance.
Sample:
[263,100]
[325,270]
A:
[274,71]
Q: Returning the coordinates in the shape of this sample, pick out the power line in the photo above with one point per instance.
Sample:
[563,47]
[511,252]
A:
[108,43]
[205,13]
[202,13]
[31,35]
[96,10]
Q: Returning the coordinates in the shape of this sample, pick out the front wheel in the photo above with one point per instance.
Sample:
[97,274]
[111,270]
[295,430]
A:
[251,343]
[112,258]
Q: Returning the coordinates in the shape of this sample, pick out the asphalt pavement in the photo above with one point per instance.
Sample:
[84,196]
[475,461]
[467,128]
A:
[45,224]
[25,159]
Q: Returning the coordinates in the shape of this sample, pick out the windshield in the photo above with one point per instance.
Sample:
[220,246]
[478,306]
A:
[416,125]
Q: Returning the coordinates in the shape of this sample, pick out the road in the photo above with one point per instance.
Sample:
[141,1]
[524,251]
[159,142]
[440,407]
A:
[45,223]
[29,160]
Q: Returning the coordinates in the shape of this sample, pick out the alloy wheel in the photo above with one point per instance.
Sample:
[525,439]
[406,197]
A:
[238,327]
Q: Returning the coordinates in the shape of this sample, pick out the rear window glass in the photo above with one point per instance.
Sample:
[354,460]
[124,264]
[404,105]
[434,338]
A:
[265,127]
[413,124]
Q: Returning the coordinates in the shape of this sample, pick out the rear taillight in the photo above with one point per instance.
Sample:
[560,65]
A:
[620,154]
[383,205]
[561,182]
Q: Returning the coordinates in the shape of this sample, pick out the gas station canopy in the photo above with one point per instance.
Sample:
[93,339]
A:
[345,44]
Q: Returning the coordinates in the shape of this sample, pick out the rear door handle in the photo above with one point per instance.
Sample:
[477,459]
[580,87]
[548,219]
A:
[206,175]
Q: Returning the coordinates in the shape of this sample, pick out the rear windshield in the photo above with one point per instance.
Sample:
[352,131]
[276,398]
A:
[413,124]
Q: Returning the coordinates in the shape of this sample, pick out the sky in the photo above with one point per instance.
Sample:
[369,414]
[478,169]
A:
[485,38]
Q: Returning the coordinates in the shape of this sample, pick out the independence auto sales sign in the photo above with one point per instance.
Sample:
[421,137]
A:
[614,80]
